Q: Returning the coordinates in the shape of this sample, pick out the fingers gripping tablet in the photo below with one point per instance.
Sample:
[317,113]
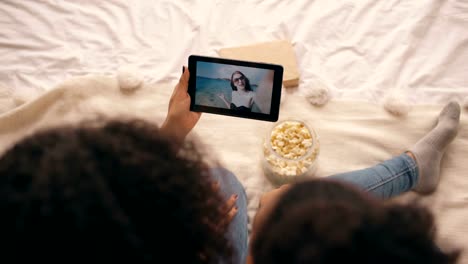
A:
[235,88]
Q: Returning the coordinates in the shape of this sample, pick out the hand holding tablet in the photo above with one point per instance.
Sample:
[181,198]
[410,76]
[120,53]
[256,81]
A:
[235,88]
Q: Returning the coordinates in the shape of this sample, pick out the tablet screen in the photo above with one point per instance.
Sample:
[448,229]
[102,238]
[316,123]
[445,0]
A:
[241,89]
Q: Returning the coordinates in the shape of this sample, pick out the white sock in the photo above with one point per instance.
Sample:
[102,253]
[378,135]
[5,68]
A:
[430,149]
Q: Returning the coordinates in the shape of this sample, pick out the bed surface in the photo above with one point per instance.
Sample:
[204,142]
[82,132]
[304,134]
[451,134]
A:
[361,49]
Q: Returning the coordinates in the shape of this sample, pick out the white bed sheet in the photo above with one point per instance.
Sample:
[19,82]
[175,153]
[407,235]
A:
[361,49]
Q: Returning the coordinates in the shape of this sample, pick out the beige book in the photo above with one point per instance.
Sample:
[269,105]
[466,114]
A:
[276,52]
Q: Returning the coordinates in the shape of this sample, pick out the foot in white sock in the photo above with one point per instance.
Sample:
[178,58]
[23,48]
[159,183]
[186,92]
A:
[429,150]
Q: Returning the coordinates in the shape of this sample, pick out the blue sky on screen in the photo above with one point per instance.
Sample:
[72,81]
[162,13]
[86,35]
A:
[217,70]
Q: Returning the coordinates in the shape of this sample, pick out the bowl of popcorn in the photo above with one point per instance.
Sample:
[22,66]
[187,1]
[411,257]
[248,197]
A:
[290,149]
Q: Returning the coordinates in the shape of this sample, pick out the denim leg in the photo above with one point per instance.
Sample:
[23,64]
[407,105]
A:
[385,180]
[238,230]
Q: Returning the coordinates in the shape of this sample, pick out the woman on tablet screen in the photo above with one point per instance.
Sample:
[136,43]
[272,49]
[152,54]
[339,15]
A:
[242,94]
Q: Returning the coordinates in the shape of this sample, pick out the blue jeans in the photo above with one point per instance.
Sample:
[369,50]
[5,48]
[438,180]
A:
[238,230]
[385,180]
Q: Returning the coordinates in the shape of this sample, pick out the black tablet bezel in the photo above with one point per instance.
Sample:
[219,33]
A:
[276,93]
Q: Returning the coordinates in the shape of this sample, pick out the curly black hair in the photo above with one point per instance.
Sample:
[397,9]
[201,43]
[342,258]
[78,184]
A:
[324,221]
[112,191]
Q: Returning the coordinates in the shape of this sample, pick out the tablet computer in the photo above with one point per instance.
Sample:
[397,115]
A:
[235,88]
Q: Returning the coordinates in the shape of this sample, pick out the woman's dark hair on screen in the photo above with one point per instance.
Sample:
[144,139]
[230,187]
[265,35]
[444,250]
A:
[247,81]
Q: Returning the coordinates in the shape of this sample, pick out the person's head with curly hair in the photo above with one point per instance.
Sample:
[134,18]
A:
[324,222]
[116,191]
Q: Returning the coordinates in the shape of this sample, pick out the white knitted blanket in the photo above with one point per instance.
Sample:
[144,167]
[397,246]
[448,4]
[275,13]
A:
[353,135]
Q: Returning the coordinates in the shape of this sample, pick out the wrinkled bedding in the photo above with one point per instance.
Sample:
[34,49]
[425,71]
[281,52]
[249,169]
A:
[361,49]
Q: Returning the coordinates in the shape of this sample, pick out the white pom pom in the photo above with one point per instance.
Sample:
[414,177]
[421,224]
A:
[465,103]
[129,78]
[396,104]
[318,94]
